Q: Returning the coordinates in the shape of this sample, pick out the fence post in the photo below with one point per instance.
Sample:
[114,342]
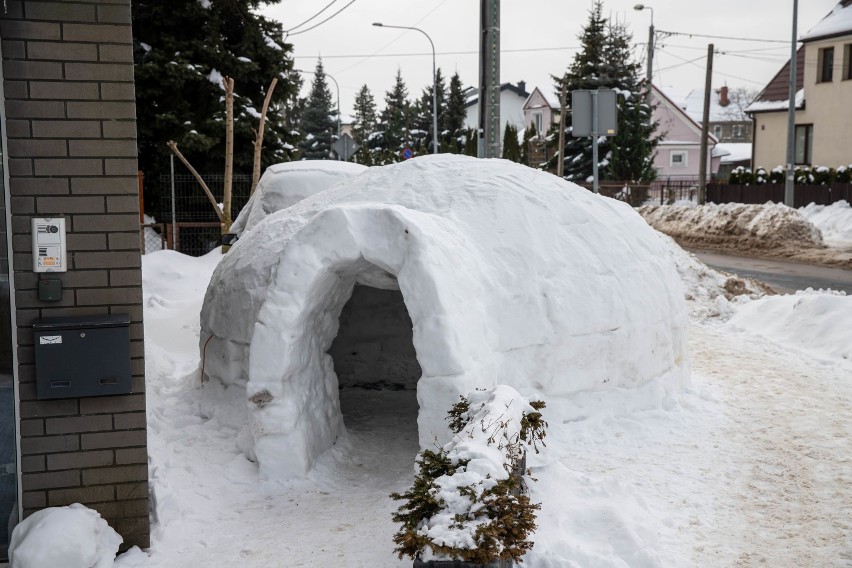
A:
[174,225]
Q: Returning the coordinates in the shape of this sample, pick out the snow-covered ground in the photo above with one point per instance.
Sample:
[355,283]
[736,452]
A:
[751,466]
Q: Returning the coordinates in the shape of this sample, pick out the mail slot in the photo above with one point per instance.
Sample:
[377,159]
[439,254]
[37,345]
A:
[82,356]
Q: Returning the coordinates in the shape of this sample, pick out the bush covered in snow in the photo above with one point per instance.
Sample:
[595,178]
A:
[804,175]
[467,501]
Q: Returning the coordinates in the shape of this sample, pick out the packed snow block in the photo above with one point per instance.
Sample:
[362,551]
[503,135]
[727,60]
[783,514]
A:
[509,276]
[283,185]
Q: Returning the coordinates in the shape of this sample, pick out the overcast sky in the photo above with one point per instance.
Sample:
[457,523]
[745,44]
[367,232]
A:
[538,39]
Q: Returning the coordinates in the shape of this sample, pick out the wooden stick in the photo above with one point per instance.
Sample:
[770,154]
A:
[173,147]
[229,154]
[258,139]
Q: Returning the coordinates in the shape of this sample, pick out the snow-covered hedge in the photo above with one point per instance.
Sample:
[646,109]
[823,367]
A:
[805,175]
[467,502]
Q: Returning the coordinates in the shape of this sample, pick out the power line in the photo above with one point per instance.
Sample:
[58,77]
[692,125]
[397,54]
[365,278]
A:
[326,7]
[723,37]
[315,26]
[685,61]
[367,56]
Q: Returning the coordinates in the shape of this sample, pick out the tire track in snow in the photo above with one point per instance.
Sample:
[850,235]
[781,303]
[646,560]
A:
[787,453]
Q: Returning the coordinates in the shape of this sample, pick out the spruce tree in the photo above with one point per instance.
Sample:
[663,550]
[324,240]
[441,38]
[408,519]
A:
[181,51]
[605,62]
[453,118]
[529,134]
[318,128]
[511,147]
[365,125]
[393,124]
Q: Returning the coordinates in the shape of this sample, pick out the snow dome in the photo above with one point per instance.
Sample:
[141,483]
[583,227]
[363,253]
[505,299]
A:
[283,185]
[442,274]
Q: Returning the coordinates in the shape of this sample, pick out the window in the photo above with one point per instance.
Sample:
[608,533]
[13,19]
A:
[537,119]
[804,142]
[825,71]
[847,62]
[738,131]
[717,131]
[677,159]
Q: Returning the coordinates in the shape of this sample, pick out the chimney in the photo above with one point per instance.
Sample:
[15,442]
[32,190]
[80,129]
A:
[522,85]
[723,96]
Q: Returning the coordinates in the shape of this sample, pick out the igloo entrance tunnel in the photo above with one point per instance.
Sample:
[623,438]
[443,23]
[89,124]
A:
[509,276]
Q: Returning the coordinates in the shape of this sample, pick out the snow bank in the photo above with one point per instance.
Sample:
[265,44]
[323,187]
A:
[835,220]
[510,276]
[818,322]
[746,227]
[283,185]
[71,537]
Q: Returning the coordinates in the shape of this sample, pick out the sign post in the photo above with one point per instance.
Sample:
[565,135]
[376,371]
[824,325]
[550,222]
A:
[594,113]
[345,147]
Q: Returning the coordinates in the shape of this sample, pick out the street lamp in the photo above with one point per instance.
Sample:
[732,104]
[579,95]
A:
[650,71]
[434,82]
[336,86]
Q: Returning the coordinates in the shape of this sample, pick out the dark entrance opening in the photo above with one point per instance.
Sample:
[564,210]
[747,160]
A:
[377,370]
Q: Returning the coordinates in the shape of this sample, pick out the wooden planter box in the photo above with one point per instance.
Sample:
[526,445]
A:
[461,564]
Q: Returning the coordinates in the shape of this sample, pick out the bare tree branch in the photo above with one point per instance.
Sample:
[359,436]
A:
[173,147]
[258,138]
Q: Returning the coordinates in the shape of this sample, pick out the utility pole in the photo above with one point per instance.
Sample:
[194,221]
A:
[560,165]
[789,184]
[705,129]
[489,79]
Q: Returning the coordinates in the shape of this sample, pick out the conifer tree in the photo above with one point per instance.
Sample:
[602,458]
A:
[393,124]
[529,134]
[317,126]
[452,122]
[365,125]
[605,62]
[181,52]
[511,147]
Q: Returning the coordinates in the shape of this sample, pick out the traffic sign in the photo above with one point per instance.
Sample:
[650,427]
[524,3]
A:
[345,147]
[407,153]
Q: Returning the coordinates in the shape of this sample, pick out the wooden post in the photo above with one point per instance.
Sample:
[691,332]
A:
[560,165]
[229,157]
[705,129]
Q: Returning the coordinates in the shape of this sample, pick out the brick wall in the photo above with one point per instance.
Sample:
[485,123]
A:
[70,123]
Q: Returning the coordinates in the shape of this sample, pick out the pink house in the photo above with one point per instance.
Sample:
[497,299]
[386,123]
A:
[679,152]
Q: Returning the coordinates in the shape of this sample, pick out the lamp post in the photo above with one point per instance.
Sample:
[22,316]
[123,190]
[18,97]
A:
[434,82]
[336,86]
[650,71]
[789,182]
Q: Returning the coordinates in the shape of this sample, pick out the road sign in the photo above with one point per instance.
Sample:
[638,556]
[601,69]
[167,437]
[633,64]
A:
[345,147]
[407,153]
[582,114]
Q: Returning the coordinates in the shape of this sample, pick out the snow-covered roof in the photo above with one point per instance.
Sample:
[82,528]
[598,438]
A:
[462,240]
[733,151]
[837,22]
[692,103]
[759,105]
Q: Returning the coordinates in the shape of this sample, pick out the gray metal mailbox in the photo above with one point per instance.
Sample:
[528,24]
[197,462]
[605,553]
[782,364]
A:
[82,356]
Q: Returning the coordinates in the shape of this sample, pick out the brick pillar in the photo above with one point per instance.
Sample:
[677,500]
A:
[71,128]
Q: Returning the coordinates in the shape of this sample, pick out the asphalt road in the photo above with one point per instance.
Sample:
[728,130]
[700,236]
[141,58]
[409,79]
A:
[783,276]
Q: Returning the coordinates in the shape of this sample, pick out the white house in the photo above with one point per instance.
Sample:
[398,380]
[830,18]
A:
[512,99]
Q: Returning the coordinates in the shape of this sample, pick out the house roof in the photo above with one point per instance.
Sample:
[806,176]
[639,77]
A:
[837,23]
[678,109]
[472,93]
[551,99]
[693,104]
[775,95]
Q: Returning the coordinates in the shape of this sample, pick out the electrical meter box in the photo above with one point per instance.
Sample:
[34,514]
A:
[82,356]
[49,250]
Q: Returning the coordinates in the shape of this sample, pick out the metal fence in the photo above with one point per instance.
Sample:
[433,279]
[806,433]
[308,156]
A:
[662,191]
[187,223]
[802,196]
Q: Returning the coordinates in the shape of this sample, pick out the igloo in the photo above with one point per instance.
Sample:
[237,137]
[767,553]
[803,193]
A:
[283,185]
[482,272]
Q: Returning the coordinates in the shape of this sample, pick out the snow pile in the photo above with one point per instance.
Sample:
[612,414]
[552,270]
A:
[71,537]
[818,322]
[510,276]
[835,220]
[736,225]
[710,293]
[283,185]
